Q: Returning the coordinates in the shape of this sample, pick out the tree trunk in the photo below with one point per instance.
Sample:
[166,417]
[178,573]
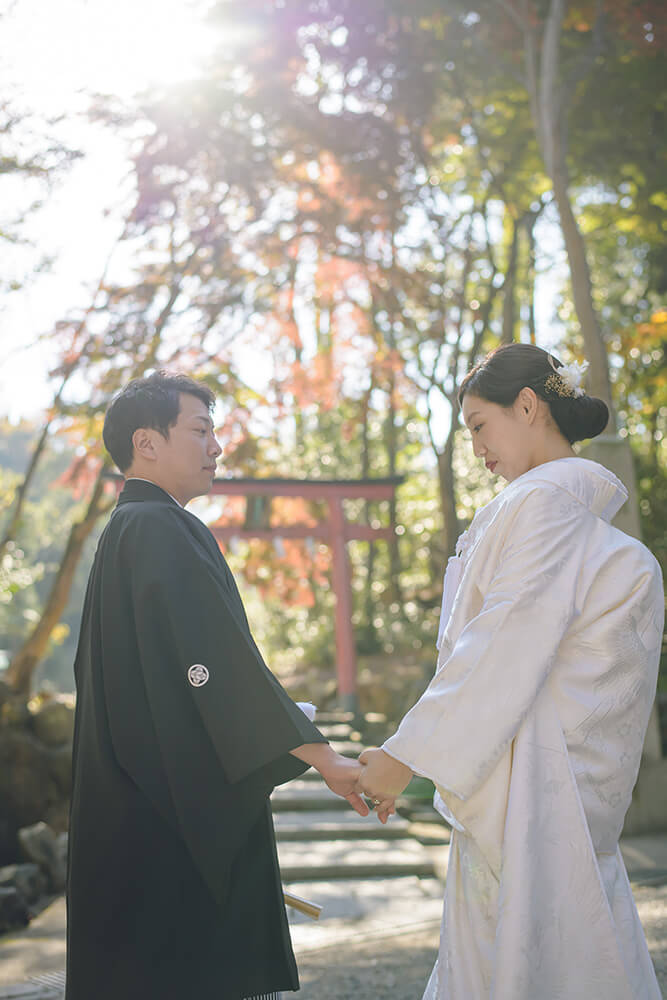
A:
[608,449]
[446,481]
[369,609]
[22,492]
[23,664]
[509,309]
[532,331]
[596,353]
[551,128]
[392,450]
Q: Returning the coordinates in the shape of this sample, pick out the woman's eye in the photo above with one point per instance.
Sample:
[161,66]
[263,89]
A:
[477,428]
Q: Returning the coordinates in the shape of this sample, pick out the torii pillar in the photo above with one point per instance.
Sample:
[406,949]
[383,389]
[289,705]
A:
[336,532]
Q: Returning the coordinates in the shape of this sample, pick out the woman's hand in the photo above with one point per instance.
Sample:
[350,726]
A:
[383,777]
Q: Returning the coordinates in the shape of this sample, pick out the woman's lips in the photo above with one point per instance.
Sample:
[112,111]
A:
[491,465]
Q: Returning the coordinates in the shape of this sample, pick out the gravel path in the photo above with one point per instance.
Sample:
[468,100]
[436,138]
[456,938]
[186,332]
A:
[652,906]
[399,967]
[396,967]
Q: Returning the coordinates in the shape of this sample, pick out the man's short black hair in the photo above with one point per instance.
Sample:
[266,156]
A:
[147,402]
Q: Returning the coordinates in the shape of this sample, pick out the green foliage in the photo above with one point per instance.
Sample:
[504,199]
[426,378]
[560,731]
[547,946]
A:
[30,562]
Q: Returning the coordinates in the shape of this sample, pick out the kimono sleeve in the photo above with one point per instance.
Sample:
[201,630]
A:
[193,649]
[472,709]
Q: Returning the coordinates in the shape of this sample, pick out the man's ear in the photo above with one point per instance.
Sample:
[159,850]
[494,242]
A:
[142,441]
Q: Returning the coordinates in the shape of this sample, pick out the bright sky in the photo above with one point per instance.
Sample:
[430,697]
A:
[113,46]
[54,52]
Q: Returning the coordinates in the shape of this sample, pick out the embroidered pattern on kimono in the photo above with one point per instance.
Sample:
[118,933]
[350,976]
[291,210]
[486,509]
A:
[532,730]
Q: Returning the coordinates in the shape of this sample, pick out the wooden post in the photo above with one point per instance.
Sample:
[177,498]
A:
[346,660]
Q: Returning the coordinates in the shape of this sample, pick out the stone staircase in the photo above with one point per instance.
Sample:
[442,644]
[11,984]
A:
[368,877]
[371,880]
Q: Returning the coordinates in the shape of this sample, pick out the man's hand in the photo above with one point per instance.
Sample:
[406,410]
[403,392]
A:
[345,771]
[340,774]
[383,777]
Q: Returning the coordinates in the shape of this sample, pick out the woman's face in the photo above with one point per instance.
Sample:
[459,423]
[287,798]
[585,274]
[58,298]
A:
[504,437]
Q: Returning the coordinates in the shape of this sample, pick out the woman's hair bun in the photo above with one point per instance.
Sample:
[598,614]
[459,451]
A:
[579,418]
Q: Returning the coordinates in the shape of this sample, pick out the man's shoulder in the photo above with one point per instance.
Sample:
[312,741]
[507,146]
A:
[148,523]
[147,512]
[153,524]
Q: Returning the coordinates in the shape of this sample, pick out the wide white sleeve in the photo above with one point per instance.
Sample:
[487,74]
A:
[467,717]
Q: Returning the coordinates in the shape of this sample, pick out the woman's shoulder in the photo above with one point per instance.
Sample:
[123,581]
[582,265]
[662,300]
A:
[526,503]
[514,495]
[564,482]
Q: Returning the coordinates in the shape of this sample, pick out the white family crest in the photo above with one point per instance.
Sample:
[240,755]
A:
[198,674]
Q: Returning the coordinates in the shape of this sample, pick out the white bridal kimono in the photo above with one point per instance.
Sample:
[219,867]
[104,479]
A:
[532,731]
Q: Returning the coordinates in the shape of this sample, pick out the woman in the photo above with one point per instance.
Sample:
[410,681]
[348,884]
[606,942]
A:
[532,728]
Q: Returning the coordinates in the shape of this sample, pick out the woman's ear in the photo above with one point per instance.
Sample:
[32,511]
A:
[527,403]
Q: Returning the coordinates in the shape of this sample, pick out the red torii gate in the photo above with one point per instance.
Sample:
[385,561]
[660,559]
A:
[336,532]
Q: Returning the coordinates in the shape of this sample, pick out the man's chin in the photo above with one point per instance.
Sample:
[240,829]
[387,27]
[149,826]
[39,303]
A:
[203,486]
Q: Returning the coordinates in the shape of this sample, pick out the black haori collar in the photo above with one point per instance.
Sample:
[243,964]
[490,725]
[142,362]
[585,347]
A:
[141,489]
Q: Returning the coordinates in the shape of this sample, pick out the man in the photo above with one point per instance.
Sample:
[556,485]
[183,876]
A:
[181,735]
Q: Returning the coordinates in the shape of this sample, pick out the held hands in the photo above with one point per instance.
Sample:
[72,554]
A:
[382,779]
[342,777]
[376,774]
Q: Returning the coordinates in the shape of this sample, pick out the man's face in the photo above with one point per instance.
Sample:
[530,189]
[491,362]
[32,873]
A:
[185,462]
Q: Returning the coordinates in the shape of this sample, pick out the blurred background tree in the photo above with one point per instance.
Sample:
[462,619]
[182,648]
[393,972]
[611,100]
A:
[330,223]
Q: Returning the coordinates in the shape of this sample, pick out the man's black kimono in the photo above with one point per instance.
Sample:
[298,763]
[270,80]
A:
[181,734]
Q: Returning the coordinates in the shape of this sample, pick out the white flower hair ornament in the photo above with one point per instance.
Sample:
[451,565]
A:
[567,380]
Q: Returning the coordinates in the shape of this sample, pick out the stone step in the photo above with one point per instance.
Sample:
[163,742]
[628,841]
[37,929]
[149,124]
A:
[420,813]
[324,860]
[335,731]
[30,991]
[310,775]
[306,796]
[334,718]
[429,833]
[347,748]
[331,825]
[354,908]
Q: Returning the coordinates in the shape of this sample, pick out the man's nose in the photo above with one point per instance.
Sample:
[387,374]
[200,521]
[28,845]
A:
[214,448]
